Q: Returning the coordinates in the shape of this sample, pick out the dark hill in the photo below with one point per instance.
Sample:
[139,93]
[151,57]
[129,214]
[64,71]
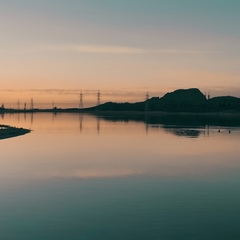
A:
[183,100]
[111,106]
[179,100]
[192,95]
[224,103]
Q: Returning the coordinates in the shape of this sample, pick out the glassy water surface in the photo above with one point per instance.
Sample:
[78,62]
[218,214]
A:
[85,177]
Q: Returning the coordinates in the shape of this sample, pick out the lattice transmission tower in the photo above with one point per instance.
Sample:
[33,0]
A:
[81,100]
[18,105]
[208,96]
[31,104]
[98,98]
[146,102]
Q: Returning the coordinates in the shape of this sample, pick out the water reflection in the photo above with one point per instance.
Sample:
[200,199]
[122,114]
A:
[98,124]
[182,132]
[31,115]
[80,122]
[87,176]
[181,126]
[81,145]
[231,120]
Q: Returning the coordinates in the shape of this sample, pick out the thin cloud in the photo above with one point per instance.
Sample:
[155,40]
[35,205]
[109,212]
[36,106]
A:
[109,49]
[98,49]
[179,52]
[96,173]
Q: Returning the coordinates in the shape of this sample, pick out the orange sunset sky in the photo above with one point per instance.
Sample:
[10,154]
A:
[52,49]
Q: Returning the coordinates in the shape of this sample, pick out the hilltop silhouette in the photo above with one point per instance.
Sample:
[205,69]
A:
[181,100]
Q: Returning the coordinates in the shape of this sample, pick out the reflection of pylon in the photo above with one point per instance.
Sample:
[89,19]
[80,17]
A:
[98,98]
[81,121]
[98,125]
[81,100]
[31,105]
[31,118]
[146,103]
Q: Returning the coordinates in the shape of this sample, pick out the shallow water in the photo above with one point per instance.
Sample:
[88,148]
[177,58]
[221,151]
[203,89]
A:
[85,177]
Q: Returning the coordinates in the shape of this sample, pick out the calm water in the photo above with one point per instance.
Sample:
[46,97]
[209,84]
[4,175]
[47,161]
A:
[82,177]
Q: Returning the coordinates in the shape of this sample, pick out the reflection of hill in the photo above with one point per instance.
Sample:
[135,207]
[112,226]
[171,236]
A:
[182,125]
[180,120]
[9,132]
[183,132]
[180,131]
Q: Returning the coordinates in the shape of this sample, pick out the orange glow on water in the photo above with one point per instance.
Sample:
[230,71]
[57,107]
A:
[73,145]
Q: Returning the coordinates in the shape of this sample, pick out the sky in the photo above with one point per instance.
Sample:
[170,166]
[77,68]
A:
[50,50]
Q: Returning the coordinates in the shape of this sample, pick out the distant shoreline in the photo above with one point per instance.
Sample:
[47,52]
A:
[149,117]
[182,101]
[99,112]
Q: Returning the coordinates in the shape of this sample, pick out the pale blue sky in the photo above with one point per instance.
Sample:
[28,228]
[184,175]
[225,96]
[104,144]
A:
[154,45]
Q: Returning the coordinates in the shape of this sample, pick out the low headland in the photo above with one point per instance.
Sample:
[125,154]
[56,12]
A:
[7,131]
